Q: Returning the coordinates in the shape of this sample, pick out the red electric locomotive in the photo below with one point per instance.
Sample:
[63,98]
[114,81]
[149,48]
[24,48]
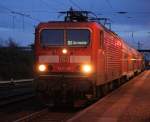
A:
[78,59]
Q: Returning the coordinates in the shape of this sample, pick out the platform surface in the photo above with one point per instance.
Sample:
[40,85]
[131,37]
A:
[128,103]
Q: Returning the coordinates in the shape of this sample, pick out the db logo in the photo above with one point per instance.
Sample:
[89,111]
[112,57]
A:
[64,59]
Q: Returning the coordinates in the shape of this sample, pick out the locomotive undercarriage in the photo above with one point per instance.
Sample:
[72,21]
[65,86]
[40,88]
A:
[72,90]
[61,90]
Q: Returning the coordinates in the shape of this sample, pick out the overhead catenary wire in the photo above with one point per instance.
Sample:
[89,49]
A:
[108,2]
[19,13]
[47,4]
[23,15]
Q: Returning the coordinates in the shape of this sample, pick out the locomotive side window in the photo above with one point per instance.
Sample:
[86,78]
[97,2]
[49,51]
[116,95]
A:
[52,37]
[77,37]
[101,39]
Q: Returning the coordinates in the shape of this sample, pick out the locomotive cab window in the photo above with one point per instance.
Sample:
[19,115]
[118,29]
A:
[78,37]
[52,37]
[101,39]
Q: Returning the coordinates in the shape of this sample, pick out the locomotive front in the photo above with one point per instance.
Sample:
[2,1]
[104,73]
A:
[64,68]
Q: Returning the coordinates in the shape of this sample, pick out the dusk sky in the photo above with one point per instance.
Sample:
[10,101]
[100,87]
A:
[130,19]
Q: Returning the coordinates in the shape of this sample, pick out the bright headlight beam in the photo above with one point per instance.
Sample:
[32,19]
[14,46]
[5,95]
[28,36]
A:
[87,68]
[42,67]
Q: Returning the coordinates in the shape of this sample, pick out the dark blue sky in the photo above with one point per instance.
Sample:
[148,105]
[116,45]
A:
[132,26]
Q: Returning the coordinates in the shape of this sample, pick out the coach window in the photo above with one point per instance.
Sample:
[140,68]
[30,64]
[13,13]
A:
[52,37]
[101,39]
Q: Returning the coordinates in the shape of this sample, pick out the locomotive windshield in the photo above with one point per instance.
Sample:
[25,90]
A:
[78,37]
[74,37]
[52,37]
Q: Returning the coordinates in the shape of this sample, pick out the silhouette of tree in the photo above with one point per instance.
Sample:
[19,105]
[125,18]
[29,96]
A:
[15,62]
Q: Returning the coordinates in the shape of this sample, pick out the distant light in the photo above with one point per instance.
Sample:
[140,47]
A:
[133,59]
[64,51]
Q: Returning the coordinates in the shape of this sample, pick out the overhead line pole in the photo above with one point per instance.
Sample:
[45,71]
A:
[19,13]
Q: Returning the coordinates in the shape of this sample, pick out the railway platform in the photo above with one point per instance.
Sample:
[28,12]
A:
[128,103]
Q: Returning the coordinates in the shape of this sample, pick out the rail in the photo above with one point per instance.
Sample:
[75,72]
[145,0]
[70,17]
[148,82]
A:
[15,90]
[32,116]
[48,115]
[16,81]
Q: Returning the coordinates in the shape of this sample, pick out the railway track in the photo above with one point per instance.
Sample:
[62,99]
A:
[16,105]
[15,98]
[47,115]
[29,112]
[14,91]
[20,109]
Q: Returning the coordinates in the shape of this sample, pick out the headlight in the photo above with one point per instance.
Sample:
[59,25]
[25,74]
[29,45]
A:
[64,51]
[87,68]
[42,68]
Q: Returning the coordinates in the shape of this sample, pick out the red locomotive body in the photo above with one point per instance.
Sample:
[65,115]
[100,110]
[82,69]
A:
[80,60]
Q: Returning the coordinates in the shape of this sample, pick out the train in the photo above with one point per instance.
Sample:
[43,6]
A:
[79,59]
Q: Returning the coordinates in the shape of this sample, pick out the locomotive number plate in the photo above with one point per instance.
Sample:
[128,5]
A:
[64,59]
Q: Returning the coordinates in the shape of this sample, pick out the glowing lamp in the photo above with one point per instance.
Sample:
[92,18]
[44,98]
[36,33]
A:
[42,68]
[64,51]
[87,68]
